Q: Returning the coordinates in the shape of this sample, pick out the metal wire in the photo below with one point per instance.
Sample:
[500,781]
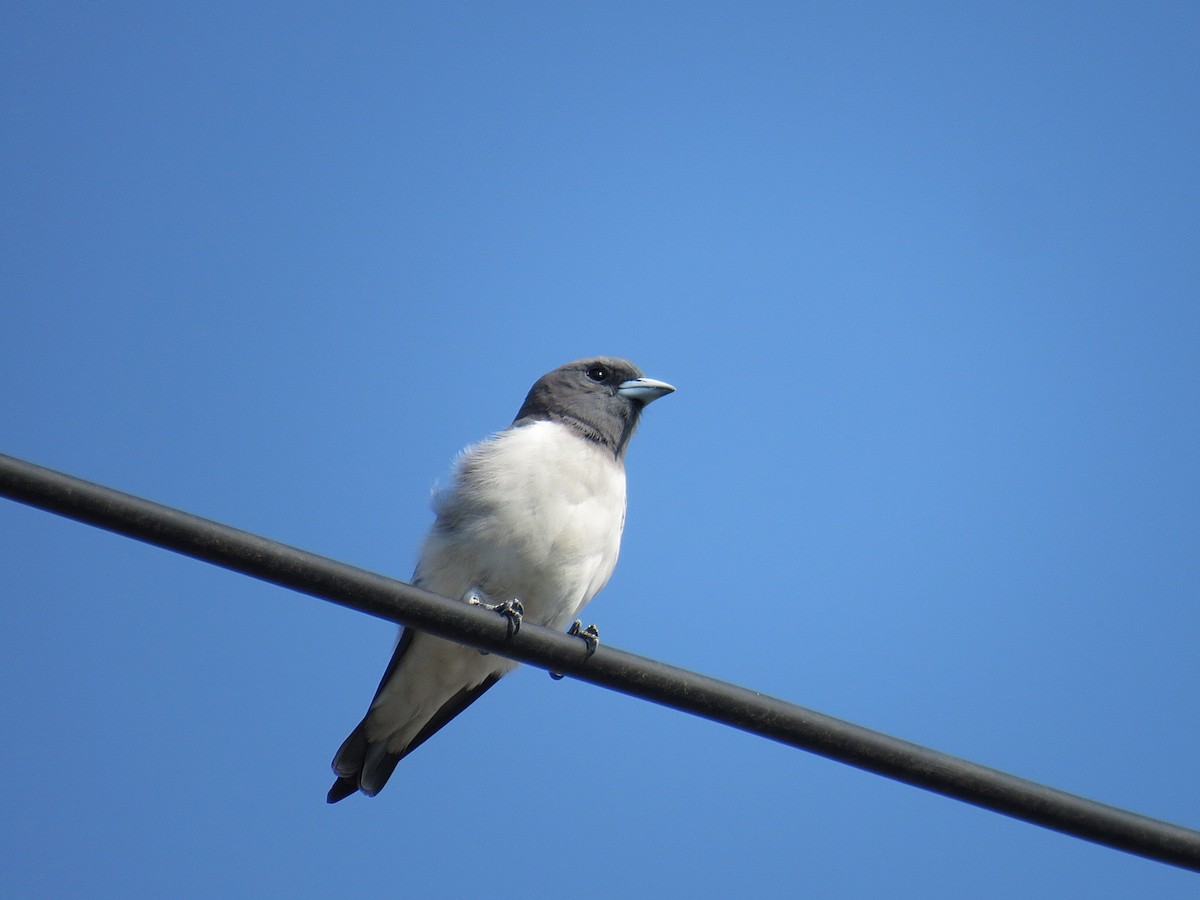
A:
[680,689]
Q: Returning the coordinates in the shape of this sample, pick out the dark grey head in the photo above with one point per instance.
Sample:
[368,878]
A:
[601,398]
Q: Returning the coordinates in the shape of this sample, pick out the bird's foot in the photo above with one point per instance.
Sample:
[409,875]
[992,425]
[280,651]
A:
[512,610]
[590,635]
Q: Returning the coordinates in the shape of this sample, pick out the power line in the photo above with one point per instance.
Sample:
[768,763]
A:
[609,667]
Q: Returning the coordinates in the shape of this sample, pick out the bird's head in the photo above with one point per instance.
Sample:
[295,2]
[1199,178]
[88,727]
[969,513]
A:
[601,398]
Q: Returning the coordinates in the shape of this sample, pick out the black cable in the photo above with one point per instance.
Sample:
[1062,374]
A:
[640,677]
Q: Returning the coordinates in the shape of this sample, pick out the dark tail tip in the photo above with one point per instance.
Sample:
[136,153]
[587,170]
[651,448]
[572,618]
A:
[342,788]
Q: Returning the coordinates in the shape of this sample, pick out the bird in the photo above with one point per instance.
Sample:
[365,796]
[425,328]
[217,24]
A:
[530,525]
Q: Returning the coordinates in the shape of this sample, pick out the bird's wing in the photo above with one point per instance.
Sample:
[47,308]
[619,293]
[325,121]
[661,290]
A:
[369,755]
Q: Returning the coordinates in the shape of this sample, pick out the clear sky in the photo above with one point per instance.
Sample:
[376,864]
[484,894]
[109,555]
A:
[927,277]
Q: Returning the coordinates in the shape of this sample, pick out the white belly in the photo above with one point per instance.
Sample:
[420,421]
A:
[535,513]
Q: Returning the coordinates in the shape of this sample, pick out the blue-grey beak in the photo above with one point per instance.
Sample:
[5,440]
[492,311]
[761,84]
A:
[644,390]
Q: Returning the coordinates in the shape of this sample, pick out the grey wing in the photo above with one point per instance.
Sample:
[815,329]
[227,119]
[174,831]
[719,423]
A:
[363,764]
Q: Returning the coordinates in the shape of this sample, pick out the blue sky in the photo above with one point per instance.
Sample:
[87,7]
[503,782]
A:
[925,275]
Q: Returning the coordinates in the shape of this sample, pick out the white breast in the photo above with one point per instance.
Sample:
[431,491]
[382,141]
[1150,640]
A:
[535,512]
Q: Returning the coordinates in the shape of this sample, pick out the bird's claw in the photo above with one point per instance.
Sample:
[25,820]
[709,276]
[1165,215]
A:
[512,610]
[591,637]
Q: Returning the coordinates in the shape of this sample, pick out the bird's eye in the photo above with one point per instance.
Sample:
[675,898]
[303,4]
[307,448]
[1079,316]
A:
[597,373]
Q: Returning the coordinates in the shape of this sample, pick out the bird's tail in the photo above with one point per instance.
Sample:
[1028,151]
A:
[394,727]
[363,764]
[348,764]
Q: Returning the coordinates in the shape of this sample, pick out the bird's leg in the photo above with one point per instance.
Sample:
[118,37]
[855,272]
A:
[512,610]
[590,635]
